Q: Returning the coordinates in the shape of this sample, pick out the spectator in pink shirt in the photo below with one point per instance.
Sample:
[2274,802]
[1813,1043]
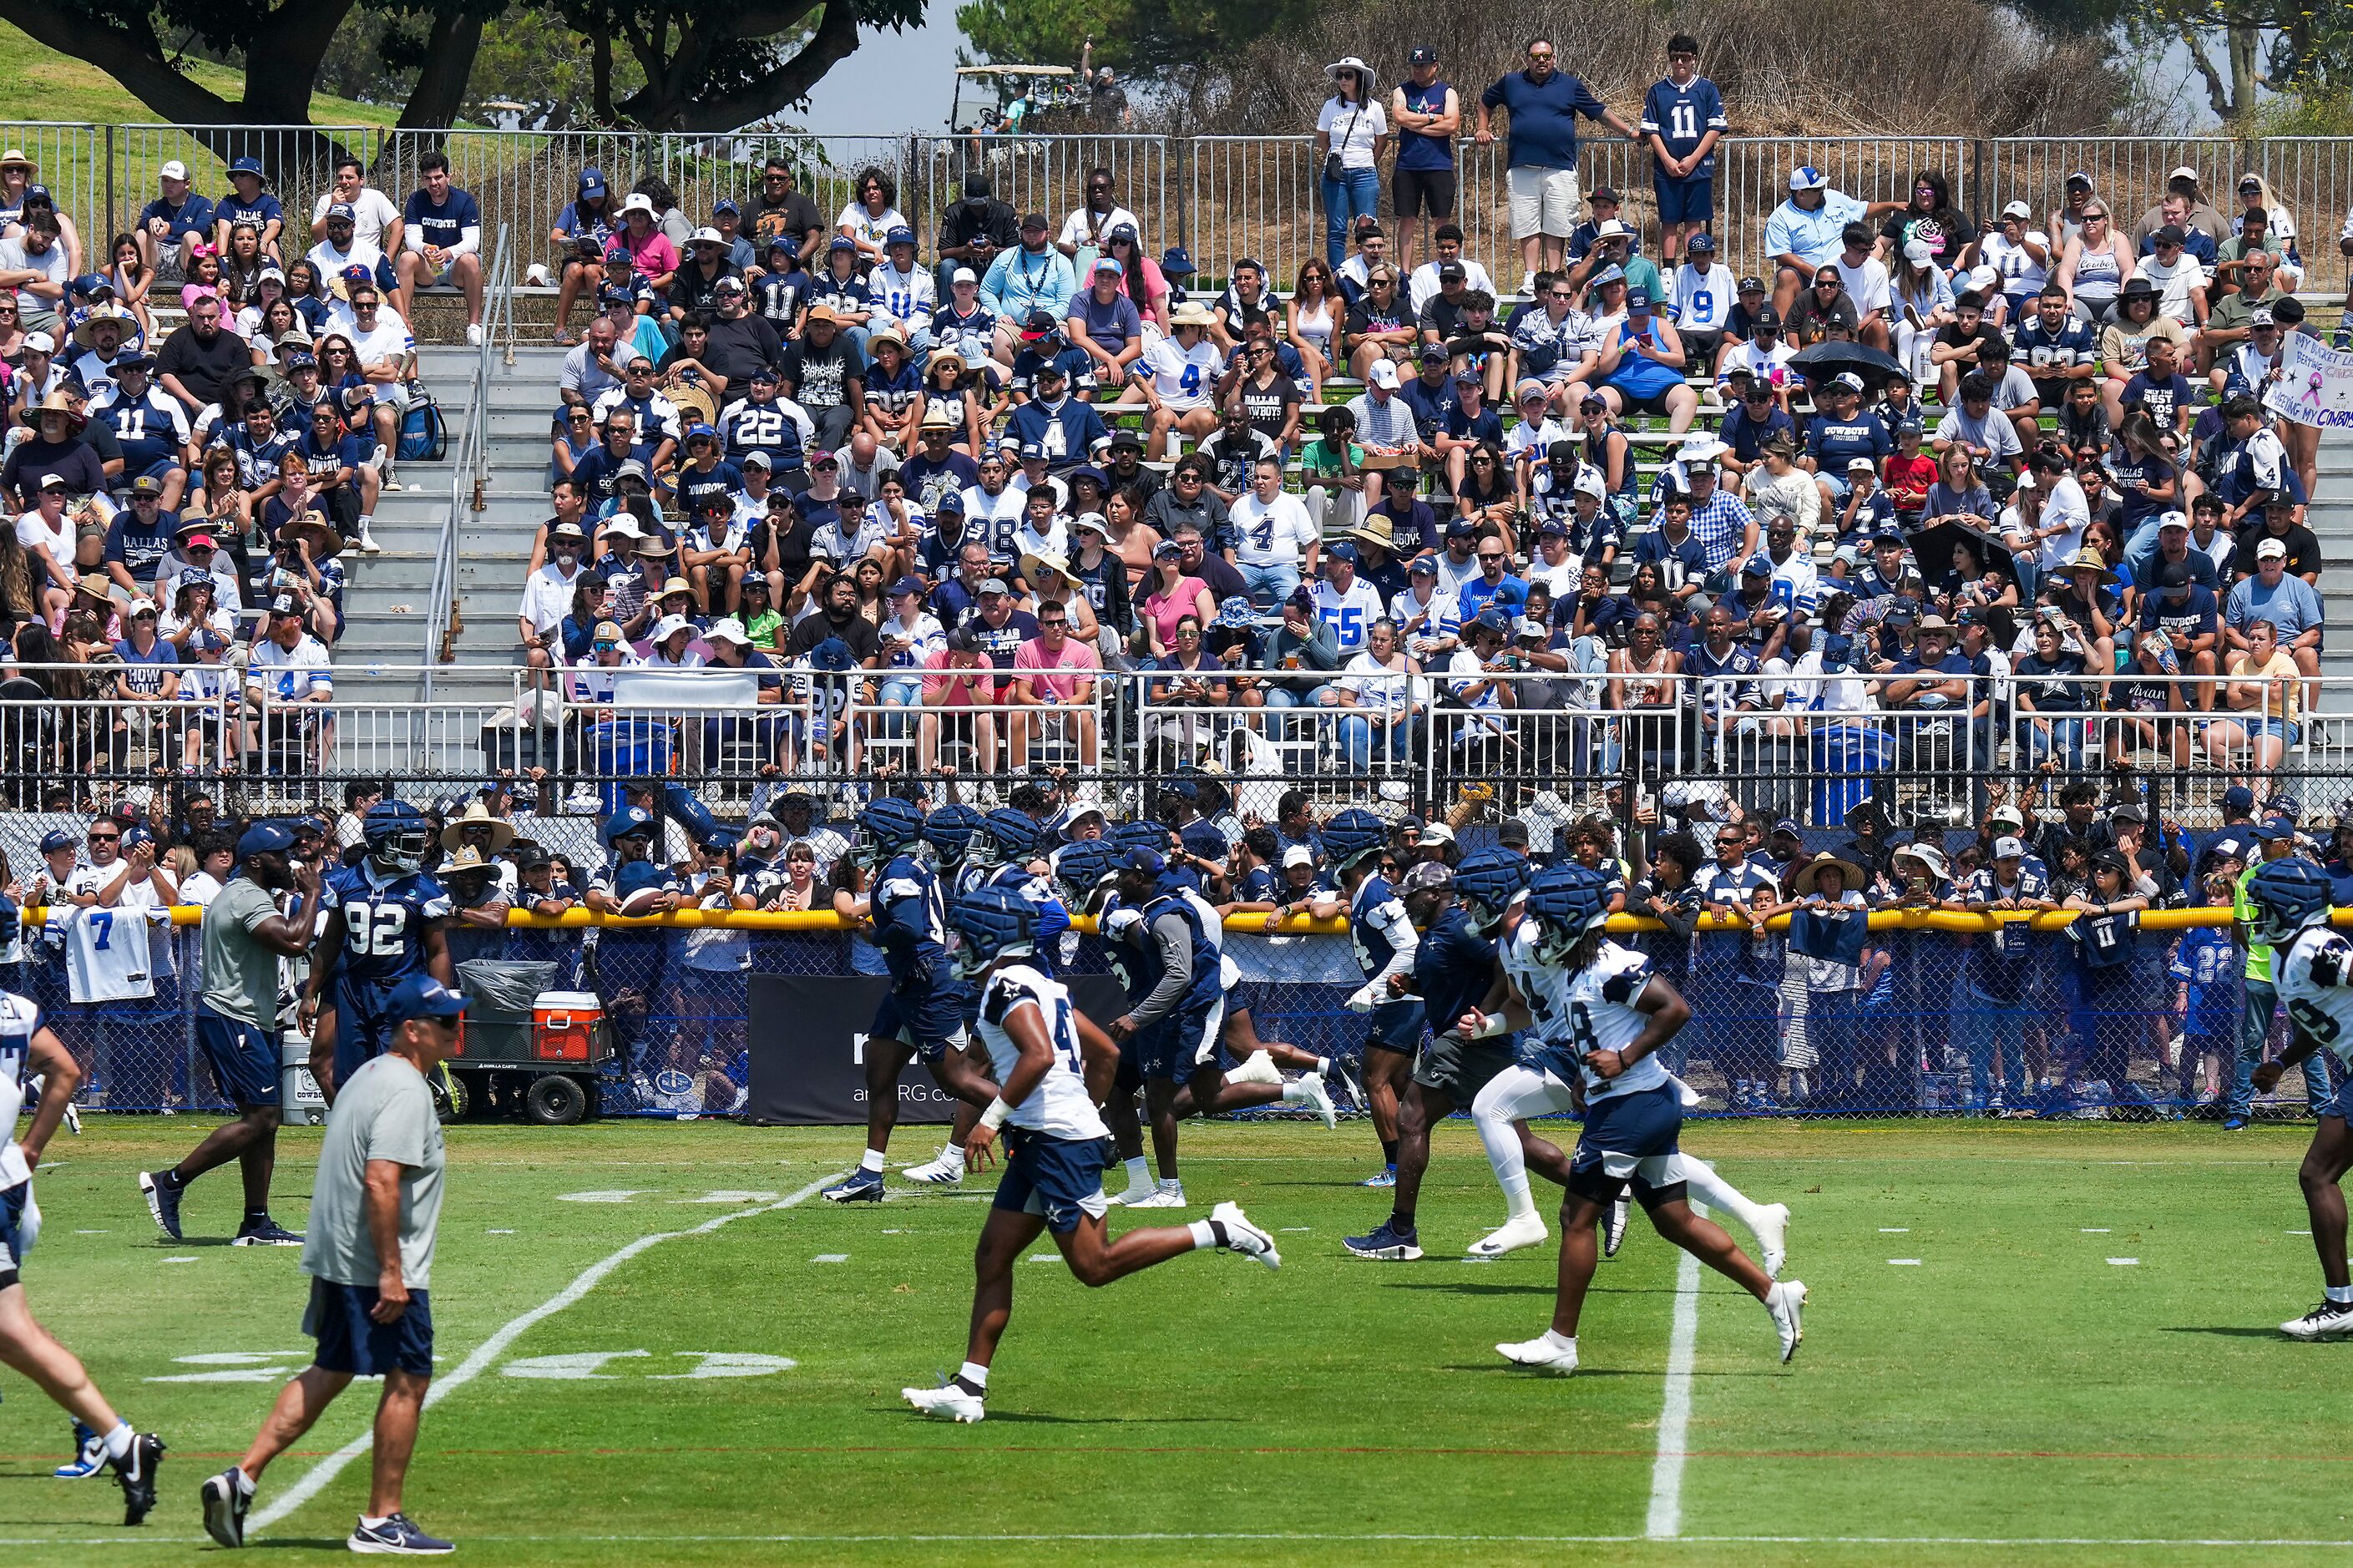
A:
[957,675]
[1053,669]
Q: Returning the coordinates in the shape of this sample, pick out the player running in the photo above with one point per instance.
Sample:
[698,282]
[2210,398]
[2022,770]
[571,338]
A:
[1603,1016]
[1385,941]
[2314,969]
[1531,1089]
[1054,1066]
[29,1046]
[385,922]
[921,1017]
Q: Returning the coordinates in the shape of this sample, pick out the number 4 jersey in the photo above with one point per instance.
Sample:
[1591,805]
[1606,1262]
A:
[2316,981]
[1059,1106]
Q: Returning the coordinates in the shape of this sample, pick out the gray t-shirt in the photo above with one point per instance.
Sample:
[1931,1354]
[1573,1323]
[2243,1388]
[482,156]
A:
[384,1112]
[240,975]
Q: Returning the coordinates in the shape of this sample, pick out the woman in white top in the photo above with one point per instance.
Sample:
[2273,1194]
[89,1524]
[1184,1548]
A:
[872,214]
[908,636]
[1311,319]
[1275,542]
[2097,263]
[1923,301]
[45,534]
[1378,689]
[1349,134]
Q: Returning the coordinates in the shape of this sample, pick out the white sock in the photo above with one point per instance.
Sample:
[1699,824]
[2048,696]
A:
[1323,1067]
[871,1161]
[1554,1340]
[118,1442]
[1718,1193]
[1517,1202]
[1294,1091]
[972,1372]
[373,1523]
[244,1483]
[366,518]
[2341,1294]
[953,1157]
[1204,1234]
[1139,1174]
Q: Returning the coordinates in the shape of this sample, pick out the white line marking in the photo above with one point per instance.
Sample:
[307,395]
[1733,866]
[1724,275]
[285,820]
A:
[498,1233]
[1894,1230]
[94,1233]
[179,1260]
[1295,1230]
[602,1195]
[1904,1262]
[2299,1233]
[1666,1517]
[1045,1257]
[2125,1262]
[830,1257]
[317,1478]
[2088,1230]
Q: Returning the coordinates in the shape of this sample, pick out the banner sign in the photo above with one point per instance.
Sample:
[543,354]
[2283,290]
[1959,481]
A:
[2314,385]
[807,1044]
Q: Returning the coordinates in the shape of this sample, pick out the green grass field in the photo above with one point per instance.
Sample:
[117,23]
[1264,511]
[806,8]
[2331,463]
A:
[2079,1367]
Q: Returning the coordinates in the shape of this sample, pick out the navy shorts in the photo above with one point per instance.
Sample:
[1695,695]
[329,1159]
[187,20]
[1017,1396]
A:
[350,1341]
[244,1059]
[1685,201]
[1396,1027]
[932,1022]
[1057,1179]
[1184,1043]
[363,1024]
[1628,1139]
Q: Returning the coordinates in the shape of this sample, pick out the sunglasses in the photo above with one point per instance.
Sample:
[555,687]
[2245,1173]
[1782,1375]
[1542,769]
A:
[1485,560]
[105,838]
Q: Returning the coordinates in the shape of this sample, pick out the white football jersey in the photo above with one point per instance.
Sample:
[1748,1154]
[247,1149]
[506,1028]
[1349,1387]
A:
[19,1021]
[2315,976]
[1059,1106]
[1600,1001]
[107,957]
[1542,988]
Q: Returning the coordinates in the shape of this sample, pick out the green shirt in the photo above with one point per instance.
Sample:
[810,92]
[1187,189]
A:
[2242,910]
[1318,459]
[240,975]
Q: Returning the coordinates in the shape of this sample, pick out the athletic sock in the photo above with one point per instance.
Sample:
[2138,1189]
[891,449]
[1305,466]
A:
[1294,1091]
[367,1523]
[2341,1294]
[256,1216]
[871,1161]
[1718,1193]
[973,1378]
[118,1442]
[1208,1233]
[1558,1341]
[244,1483]
[1139,1174]
[1388,1151]
[1323,1067]
[1517,1204]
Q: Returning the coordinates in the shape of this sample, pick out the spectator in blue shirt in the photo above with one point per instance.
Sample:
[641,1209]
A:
[1495,583]
[441,241]
[174,220]
[247,201]
[1807,232]
[1540,152]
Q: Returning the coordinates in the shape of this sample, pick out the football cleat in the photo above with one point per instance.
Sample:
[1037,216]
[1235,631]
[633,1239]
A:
[225,1503]
[1167,1196]
[90,1456]
[2326,1321]
[1785,1301]
[397,1537]
[265,1232]
[945,1171]
[1387,1177]
[1773,1237]
[1522,1230]
[163,1201]
[949,1402]
[1388,1244]
[864,1187]
[1137,1193]
[1543,1353]
[1310,1092]
[1243,1237]
[136,1473]
[1613,1233]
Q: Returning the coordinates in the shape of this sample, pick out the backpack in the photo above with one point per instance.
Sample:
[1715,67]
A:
[422,436]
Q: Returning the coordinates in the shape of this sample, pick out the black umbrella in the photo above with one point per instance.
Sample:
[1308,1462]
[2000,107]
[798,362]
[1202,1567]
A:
[1824,361]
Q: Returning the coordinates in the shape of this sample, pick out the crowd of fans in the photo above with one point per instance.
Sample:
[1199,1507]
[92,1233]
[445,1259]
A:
[2020,503]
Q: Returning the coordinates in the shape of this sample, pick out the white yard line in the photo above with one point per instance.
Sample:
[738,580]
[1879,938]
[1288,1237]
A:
[317,1478]
[1667,1518]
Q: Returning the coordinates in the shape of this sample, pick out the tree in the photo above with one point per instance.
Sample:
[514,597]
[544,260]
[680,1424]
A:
[2240,50]
[712,65]
[1154,39]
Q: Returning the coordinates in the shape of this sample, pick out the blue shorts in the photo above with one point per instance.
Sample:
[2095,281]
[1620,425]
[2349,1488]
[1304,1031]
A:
[160,469]
[1627,1138]
[1057,1179]
[1396,1027]
[1685,201]
[244,1059]
[1184,1043]
[363,1024]
[932,1022]
[350,1341]
[2337,1102]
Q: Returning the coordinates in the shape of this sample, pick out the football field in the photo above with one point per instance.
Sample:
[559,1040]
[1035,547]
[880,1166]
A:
[2024,1343]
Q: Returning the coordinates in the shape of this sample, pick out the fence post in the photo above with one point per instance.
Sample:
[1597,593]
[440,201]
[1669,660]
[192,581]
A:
[114,223]
[1983,198]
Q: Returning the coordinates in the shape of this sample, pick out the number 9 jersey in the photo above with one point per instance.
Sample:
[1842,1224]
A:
[2315,976]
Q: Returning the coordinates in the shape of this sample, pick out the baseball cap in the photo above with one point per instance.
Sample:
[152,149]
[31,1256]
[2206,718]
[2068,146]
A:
[261,838]
[55,839]
[1701,241]
[1806,178]
[1385,375]
[2007,848]
[2269,549]
[422,996]
[1297,855]
[1422,54]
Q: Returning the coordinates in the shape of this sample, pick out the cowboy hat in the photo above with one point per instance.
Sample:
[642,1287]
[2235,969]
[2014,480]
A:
[477,816]
[1193,313]
[115,313]
[313,530]
[14,158]
[1803,882]
[2091,561]
[1375,531]
[55,403]
[1043,560]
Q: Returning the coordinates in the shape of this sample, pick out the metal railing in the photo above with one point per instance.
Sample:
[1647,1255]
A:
[469,477]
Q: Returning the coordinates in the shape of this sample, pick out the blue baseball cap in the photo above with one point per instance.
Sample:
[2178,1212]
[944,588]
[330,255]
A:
[1177,262]
[627,822]
[2239,797]
[1343,551]
[264,839]
[832,655]
[592,182]
[1806,178]
[55,839]
[726,205]
[1147,861]
[900,234]
[422,996]
[2274,829]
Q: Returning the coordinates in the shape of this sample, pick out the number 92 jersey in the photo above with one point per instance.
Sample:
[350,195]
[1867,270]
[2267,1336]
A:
[383,922]
[2316,981]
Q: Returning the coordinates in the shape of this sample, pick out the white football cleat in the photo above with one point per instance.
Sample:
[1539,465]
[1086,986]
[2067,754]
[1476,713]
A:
[1167,1196]
[948,1402]
[1543,1353]
[1521,1230]
[1785,1301]
[1141,1191]
[1245,1238]
[2326,1321]
[1773,1237]
[945,1171]
[1613,1232]
[1310,1092]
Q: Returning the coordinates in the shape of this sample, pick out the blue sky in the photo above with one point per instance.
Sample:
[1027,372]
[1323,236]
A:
[894,82]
